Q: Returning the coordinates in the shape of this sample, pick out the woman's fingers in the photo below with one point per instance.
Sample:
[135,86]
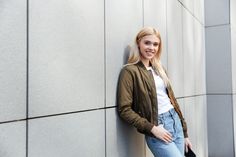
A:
[168,137]
[161,133]
[186,148]
[167,140]
[187,144]
[169,134]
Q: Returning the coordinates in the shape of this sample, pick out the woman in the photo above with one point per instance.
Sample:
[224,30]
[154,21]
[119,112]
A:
[146,100]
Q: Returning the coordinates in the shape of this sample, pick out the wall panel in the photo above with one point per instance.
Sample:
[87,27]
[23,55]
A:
[188,50]
[233,13]
[119,35]
[217,15]
[233,58]
[12,137]
[198,7]
[175,46]
[66,56]
[191,120]
[220,116]
[121,138]
[201,126]
[12,60]
[199,58]
[218,66]
[71,135]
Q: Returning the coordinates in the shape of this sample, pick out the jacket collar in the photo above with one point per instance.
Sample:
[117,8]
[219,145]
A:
[142,66]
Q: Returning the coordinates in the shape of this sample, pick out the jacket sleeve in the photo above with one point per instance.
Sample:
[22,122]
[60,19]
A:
[125,101]
[183,122]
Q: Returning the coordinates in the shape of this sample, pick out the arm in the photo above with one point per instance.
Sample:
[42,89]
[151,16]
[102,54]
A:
[125,101]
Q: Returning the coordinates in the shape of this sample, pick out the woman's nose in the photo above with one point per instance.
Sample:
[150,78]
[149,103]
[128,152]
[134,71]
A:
[151,46]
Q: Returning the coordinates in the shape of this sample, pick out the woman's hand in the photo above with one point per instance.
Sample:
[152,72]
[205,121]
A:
[162,133]
[187,144]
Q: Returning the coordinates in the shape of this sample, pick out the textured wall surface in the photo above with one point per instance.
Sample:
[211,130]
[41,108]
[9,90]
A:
[186,66]
[59,66]
[220,79]
[233,59]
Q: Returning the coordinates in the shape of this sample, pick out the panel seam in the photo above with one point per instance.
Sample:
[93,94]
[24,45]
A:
[27,77]
[104,38]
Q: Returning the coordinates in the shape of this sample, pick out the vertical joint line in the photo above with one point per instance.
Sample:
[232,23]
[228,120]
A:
[104,38]
[167,50]
[182,49]
[27,74]
[143,11]
[230,13]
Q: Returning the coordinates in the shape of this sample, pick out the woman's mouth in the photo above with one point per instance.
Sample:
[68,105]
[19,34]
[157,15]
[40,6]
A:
[150,52]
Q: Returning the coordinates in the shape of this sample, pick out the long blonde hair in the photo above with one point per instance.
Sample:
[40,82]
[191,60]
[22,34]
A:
[134,56]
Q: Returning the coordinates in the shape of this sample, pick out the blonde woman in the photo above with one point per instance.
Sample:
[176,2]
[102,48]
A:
[146,100]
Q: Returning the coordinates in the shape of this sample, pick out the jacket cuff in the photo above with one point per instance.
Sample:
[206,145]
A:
[185,134]
[148,127]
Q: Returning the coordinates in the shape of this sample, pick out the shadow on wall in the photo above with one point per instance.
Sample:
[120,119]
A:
[130,143]
[126,55]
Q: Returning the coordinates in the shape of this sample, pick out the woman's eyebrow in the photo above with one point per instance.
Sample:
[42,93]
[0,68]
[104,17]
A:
[155,42]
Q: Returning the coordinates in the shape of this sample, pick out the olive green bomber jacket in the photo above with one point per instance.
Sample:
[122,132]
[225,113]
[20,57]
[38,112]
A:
[137,99]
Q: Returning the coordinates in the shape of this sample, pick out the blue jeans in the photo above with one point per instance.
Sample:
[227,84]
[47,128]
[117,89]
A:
[171,122]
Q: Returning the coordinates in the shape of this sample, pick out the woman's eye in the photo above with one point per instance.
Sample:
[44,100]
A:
[147,42]
[155,44]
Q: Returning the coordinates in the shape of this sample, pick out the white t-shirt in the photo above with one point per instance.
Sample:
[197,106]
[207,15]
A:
[163,100]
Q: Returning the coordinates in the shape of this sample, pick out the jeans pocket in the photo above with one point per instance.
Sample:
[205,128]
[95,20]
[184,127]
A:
[168,124]
[160,121]
[178,124]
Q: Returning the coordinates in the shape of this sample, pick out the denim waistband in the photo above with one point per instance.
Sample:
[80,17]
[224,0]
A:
[171,112]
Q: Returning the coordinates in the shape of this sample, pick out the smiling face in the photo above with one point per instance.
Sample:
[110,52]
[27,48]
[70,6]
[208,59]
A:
[148,47]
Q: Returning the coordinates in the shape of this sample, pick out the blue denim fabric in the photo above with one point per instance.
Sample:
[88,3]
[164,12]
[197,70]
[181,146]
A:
[171,122]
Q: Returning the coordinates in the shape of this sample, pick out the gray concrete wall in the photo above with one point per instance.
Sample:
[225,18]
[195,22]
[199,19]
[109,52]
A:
[233,57]
[219,80]
[59,65]
[186,66]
